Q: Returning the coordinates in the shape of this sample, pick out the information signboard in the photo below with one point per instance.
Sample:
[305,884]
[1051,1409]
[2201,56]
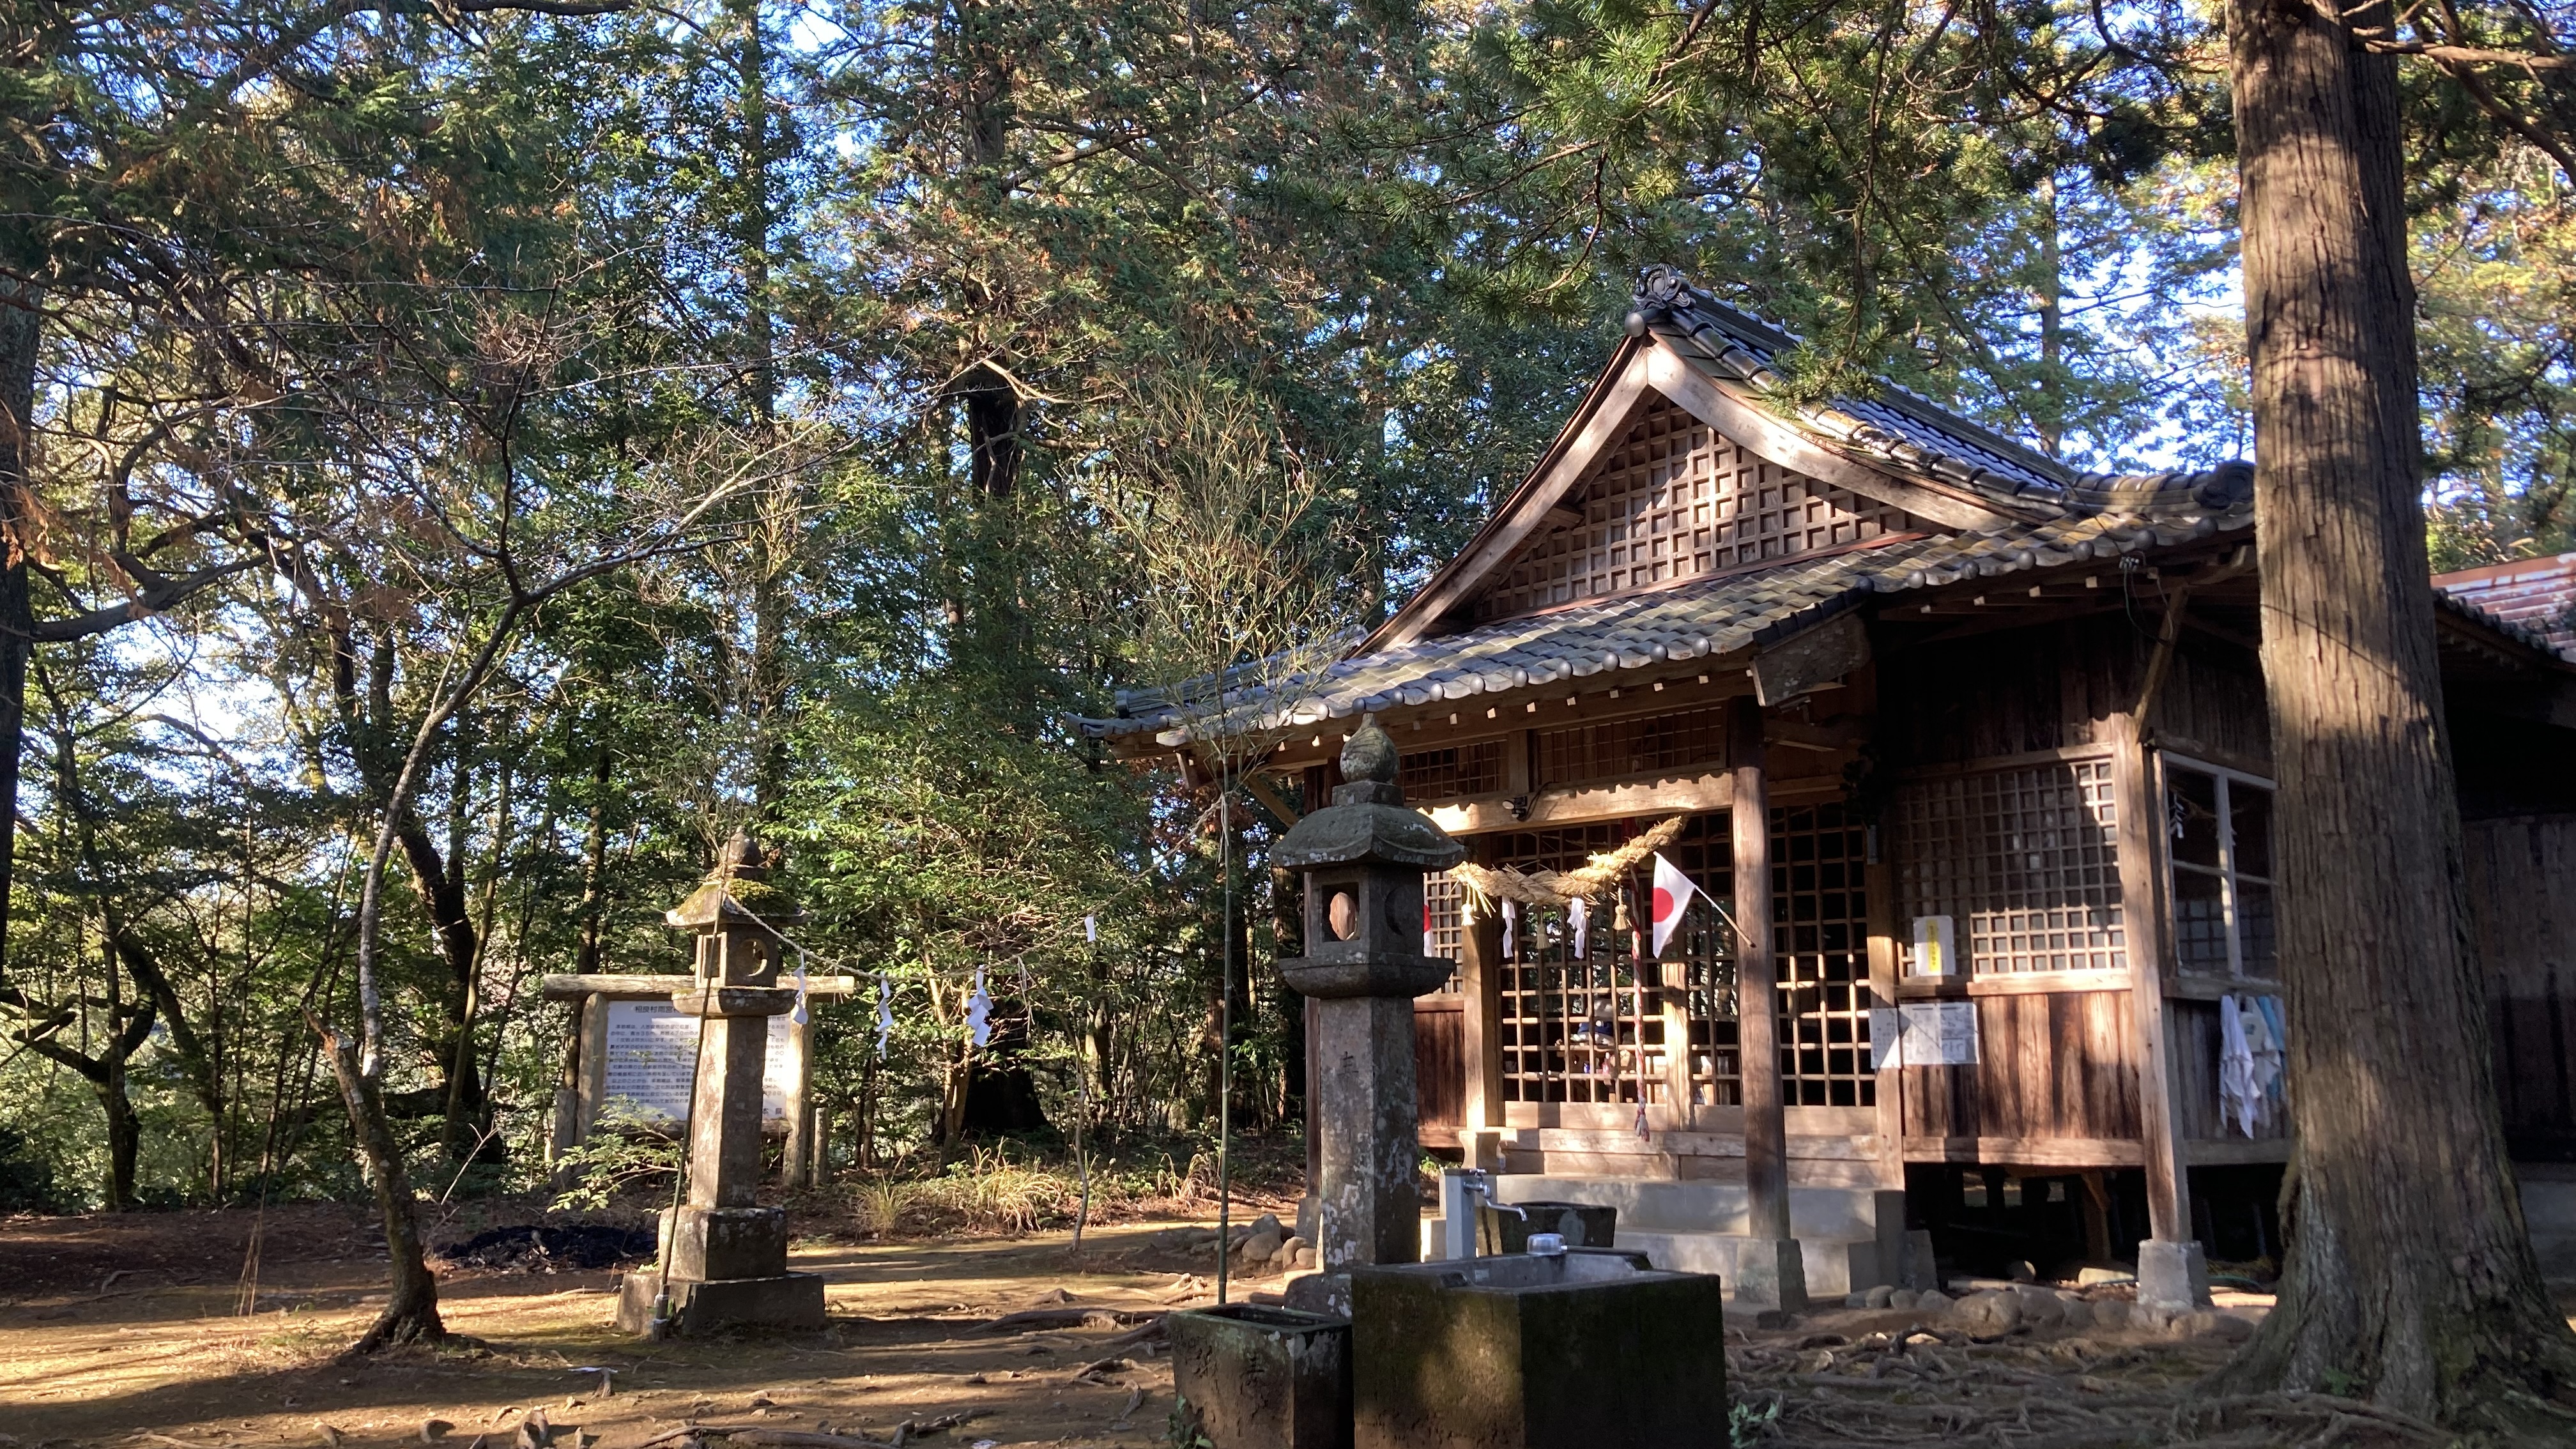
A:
[651,1047]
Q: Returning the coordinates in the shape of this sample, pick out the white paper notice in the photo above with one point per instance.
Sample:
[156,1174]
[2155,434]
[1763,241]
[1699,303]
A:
[1924,1034]
[651,1047]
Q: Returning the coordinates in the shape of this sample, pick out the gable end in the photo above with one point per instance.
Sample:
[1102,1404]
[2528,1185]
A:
[1675,499]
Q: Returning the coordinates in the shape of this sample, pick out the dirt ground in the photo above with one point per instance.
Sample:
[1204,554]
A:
[128,1331]
[117,1330]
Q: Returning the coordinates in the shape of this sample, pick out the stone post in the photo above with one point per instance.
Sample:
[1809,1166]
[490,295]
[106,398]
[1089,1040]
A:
[724,1257]
[1363,858]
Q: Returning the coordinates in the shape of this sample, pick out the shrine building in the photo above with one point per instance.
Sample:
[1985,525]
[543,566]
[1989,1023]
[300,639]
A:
[2005,730]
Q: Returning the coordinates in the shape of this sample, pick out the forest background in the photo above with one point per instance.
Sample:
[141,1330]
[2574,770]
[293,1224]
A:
[543,439]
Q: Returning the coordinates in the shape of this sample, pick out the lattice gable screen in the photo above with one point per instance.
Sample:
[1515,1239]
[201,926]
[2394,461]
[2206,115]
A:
[1675,499]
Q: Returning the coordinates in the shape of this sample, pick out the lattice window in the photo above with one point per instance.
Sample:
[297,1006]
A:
[1603,1027]
[1674,500]
[1632,747]
[1444,922]
[1470,769]
[2025,862]
[1820,942]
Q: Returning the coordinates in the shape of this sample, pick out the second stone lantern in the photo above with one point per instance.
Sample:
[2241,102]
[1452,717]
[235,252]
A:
[1363,859]
[723,1256]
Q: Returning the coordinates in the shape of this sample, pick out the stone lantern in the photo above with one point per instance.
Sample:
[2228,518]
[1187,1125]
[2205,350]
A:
[1363,858]
[724,1257]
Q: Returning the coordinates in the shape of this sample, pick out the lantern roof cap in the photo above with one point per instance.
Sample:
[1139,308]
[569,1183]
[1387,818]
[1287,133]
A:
[736,893]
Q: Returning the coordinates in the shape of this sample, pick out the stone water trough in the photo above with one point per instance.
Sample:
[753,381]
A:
[1572,1350]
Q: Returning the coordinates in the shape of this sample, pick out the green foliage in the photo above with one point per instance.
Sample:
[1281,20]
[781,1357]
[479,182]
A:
[1029,354]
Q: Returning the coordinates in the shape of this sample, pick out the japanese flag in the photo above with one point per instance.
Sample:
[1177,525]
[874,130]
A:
[1673,892]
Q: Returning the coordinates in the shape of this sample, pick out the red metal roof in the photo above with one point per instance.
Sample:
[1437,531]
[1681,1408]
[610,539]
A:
[2537,593]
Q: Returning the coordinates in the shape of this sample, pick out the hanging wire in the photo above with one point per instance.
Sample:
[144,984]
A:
[660,1326]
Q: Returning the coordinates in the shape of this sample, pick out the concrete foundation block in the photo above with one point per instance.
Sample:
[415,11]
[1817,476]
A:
[1253,1377]
[1581,1350]
[1920,1271]
[789,1300]
[2172,1275]
[705,1243]
[1771,1273]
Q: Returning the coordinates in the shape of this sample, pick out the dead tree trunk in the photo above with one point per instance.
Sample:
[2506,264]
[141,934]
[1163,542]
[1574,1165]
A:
[2408,1268]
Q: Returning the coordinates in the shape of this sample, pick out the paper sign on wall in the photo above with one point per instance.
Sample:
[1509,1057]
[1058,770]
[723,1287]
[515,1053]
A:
[651,1048]
[1935,948]
[1923,1034]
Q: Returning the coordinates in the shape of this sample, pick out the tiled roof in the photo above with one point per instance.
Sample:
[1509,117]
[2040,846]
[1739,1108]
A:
[1712,615]
[2064,516]
[2533,600]
[1911,435]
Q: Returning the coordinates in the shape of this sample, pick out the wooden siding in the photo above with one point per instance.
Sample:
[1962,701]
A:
[1440,1068]
[2522,901]
[2196,1050]
[2061,685]
[2212,701]
[2051,1065]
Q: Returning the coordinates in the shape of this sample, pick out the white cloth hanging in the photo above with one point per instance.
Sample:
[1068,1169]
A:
[1579,912]
[2236,1091]
[979,1012]
[885,1015]
[2264,1039]
[1511,928]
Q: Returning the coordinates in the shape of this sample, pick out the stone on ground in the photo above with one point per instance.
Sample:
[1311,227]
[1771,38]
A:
[1989,1314]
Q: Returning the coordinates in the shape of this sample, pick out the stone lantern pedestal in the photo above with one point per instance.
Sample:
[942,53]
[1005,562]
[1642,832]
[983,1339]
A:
[1363,858]
[723,1256]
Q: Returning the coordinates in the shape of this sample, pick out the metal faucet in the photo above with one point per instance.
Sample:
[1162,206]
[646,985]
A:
[1482,1182]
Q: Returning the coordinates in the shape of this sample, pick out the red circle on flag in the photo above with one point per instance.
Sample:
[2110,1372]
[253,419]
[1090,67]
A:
[1663,903]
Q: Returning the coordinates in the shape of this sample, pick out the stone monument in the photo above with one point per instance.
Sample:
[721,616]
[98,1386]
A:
[724,1257]
[1363,859]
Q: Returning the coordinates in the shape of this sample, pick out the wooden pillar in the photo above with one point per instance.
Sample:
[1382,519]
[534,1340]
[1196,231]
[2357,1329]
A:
[2142,918]
[1766,1133]
[594,1064]
[1480,979]
[1878,877]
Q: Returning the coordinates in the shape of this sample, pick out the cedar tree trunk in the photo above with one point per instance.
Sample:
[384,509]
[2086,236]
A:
[2409,1269]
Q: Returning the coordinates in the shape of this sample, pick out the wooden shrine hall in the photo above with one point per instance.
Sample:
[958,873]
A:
[1975,749]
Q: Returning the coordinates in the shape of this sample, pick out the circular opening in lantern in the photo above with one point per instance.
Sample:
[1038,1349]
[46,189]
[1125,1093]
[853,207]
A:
[1343,915]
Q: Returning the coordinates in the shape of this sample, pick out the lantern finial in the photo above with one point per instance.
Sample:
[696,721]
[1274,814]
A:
[1369,754]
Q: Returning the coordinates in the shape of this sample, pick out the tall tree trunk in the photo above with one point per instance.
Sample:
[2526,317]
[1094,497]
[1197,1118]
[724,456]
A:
[21,335]
[594,867]
[2408,1267]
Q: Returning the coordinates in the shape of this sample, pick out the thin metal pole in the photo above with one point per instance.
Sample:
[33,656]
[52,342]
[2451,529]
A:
[1225,1035]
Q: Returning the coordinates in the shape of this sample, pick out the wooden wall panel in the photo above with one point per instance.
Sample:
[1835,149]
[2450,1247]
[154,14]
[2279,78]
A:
[1440,1068]
[2213,698]
[2522,902]
[2056,1064]
[2060,684]
[2196,1050]
[2007,692]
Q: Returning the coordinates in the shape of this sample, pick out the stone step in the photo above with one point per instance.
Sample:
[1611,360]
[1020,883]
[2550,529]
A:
[1674,1206]
[1835,1266]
